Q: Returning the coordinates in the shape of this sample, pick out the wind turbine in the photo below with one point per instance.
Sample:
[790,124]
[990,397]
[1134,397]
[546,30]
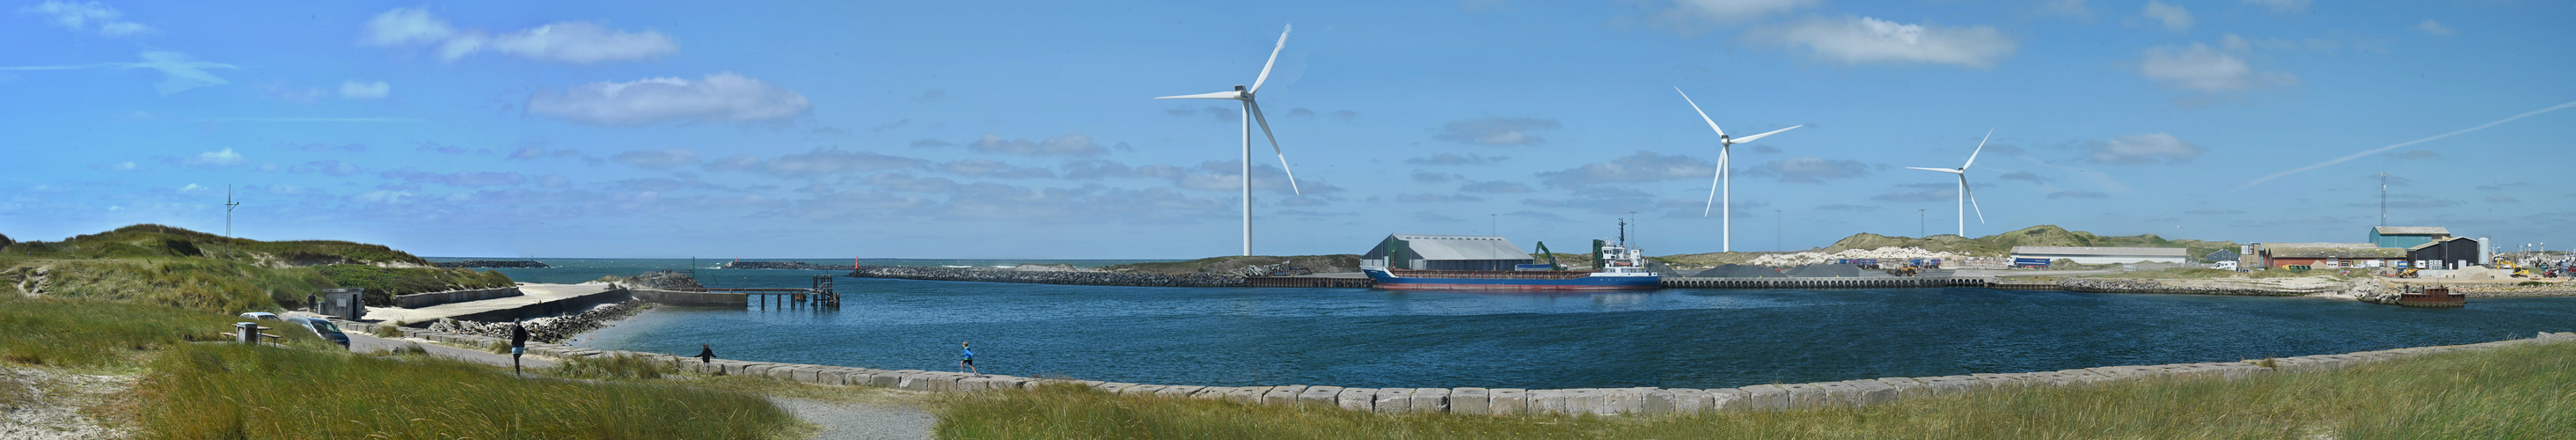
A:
[1966,198]
[1723,179]
[1251,114]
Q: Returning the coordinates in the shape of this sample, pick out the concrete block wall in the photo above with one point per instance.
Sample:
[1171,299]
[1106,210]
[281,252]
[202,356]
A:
[1508,401]
[419,300]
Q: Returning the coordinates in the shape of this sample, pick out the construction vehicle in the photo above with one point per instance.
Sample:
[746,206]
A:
[2516,269]
[1551,257]
[2405,273]
[1905,271]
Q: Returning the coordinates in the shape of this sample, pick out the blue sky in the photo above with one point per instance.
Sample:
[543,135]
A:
[1010,130]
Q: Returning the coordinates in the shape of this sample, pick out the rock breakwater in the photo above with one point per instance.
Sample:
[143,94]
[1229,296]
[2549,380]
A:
[784,265]
[2201,287]
[514,264]
[1047,277]
[553,329]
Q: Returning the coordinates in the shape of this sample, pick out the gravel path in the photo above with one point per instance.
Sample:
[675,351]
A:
[53,410]
[861,420]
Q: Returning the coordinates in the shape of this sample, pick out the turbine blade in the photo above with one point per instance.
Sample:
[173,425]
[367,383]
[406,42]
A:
[1981,147]
[1229,94]
[1759,136]
[1274,59]
[1255,109]
[1945,170]
[1712,184]
[1972,198]
[1703,115]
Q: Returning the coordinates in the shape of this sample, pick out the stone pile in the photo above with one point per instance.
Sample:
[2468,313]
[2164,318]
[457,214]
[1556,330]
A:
[548,329]
[1047,277]
[517,264]
[1499,401]
[1882,254]
[2227,287]
[664,279]
[783,265]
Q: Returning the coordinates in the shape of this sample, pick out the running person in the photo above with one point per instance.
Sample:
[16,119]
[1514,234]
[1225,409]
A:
[966,360]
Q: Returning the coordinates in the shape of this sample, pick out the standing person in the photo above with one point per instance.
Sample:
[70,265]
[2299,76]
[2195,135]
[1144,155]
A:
[706,354]
[312,303]
[518,343]
[966,360]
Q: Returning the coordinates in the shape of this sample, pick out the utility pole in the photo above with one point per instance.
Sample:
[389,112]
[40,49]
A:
[1776,221]
[1493,224]
[1920,217]
[229,204]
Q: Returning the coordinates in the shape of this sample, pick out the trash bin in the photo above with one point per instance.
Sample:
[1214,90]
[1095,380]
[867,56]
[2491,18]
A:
[246,332]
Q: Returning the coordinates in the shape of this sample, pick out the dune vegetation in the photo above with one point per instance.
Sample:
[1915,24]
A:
[182,268]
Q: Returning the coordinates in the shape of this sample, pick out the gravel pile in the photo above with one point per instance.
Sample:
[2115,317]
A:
[1047,277]
[552,329]
[1739,271]
[1885,253]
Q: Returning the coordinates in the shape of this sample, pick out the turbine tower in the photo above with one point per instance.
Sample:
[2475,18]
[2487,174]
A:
[1966,198]
[1251,114]
[1723,180]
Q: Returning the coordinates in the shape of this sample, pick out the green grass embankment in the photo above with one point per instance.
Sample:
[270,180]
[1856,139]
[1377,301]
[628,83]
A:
[196,388]
[182,268]
[385,283]
[211,285]
[2516,392]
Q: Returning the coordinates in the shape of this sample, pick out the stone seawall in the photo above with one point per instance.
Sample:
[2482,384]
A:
[783,265]
[687,298]
[419,300]
[2203,287]
[1047,277]
[1502,401]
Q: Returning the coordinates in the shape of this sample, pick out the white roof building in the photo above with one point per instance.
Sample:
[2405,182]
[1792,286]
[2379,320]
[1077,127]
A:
[1448,252]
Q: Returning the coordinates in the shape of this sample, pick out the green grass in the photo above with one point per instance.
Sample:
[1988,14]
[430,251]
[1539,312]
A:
[94,335]
[2520,392]
[614,367]
[149,240]
[383,283]
[193,283]
[236,391]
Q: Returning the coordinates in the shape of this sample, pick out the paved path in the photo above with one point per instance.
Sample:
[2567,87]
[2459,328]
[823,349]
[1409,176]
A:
[531,294]
[369,344]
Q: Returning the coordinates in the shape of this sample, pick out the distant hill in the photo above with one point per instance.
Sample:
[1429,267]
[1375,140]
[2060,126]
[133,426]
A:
[1997,245]
[149,240]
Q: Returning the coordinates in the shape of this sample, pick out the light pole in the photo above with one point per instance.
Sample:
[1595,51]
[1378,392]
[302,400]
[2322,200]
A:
[1493,224]
[1919,219]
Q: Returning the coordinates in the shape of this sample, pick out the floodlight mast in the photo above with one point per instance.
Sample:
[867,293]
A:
[229,204]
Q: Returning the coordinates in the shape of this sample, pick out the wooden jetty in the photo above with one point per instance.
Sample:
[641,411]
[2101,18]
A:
[821,295]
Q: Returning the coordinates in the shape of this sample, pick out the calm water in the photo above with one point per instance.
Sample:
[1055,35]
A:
[1669,338]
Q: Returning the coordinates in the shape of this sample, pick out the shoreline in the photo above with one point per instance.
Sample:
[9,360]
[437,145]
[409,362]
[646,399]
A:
[1497,401]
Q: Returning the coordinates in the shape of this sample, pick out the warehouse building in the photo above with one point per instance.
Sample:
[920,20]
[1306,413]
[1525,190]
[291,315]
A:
[2448,253]
[2403,237]
[1447,252]
[2103,255]
[2325,257]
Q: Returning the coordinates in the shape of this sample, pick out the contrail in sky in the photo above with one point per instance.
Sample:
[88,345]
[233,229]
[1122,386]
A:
[2393,147]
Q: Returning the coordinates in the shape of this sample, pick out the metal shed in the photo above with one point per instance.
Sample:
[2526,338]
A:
[2446,253]
[2403,237]
[1447,252]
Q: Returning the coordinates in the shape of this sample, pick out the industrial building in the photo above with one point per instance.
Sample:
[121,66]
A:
[2103,255]
[2448,253]
[1447,252]
[2277,256]
[2403,237]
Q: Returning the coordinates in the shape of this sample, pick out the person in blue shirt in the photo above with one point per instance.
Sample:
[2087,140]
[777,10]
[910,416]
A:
[966,360]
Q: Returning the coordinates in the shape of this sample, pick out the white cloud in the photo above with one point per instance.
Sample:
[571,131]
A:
[80,17]
[1809,169]
[2281,5]
[1644,166]
[663,159]
[353,89]
[2203,68]
[2434,27]
[125,166]
[1066,145]
[1493,130]
[2070,8]
[1695,16]
[572,41]
[178,72]
[2174,18]
[719,97]
[2141,149]
[1865,40]
[226,157]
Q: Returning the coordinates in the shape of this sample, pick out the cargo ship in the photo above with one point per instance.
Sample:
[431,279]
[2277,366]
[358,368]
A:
[1625,267]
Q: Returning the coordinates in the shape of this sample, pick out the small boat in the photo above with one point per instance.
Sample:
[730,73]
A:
[2436,296]
[1625,269]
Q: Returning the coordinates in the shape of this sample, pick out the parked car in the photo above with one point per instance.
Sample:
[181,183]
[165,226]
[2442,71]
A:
[323,328]
[263,316]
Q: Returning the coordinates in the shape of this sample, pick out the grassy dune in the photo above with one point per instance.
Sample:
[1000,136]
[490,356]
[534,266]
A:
[233,391]
[2519,392]
[195,270]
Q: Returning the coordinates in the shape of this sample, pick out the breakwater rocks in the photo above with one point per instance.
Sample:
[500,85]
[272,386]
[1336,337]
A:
[662,279]
[515,264]
[1088,278]
[548,329]
[784,265]
[2203,287]
[1505,401]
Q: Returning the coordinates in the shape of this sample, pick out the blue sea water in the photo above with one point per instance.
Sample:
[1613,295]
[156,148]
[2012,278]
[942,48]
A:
[1676,338]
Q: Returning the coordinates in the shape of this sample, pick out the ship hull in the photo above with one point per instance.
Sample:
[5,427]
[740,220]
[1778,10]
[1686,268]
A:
[1507,281]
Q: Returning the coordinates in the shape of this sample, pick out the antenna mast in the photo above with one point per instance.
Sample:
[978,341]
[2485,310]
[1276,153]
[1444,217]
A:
[2383,199]
[229,204]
